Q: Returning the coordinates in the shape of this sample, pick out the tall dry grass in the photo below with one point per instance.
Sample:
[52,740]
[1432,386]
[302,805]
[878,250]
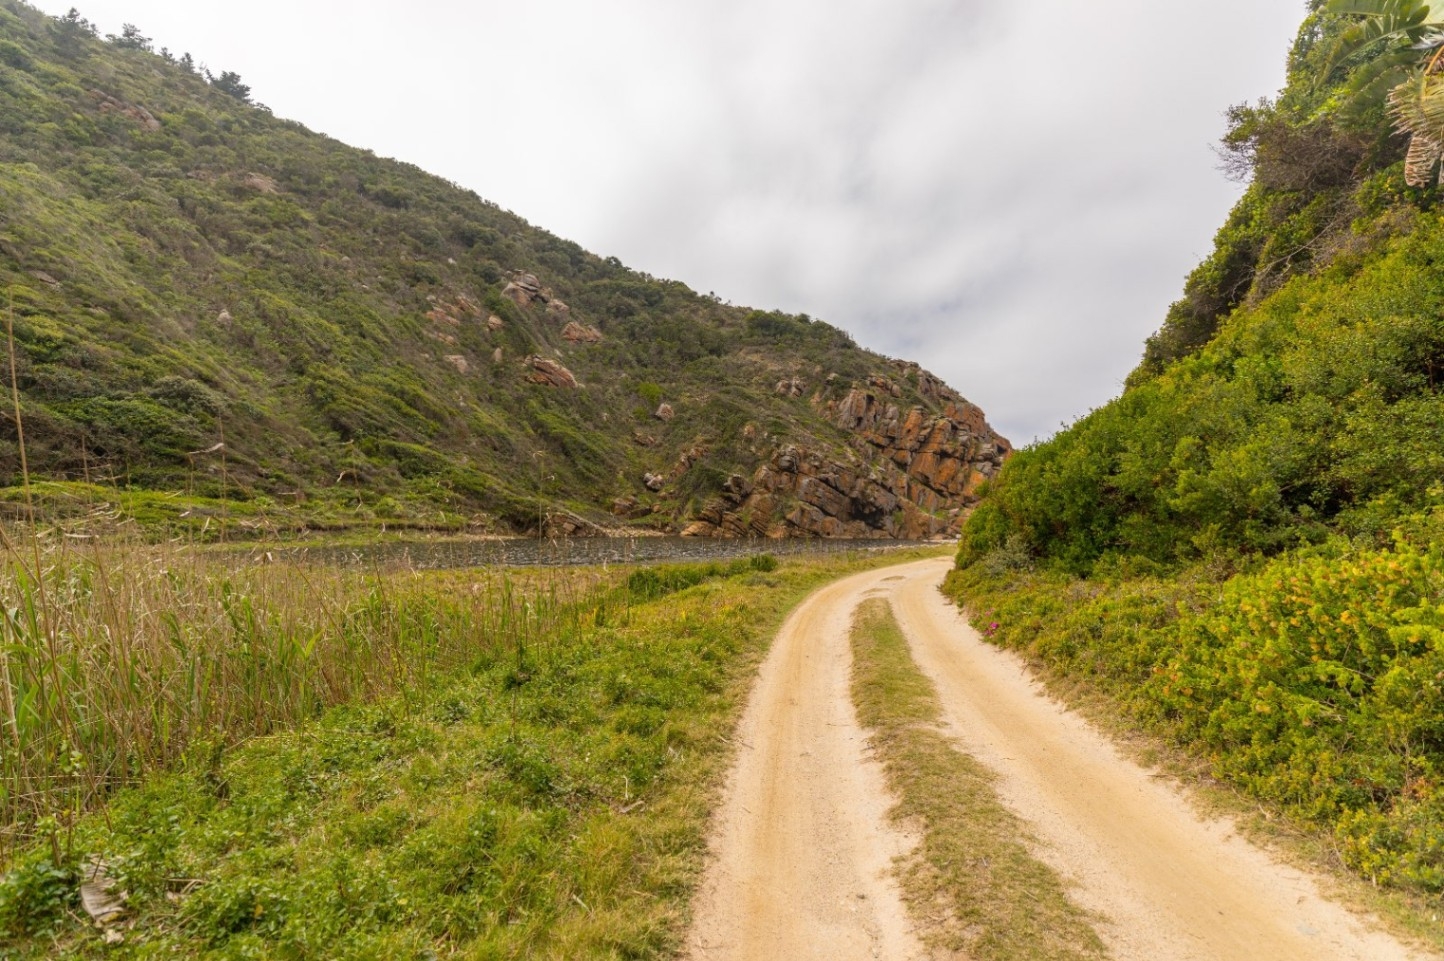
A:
[118,657]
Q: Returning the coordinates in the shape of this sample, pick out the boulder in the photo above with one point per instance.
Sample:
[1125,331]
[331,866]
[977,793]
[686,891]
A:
[791,387]
[579,334]
[130,111]
[654,482]
[259,183]
[549,373]
[462,365]
[494,323]
[630,508]
[665,413]
[518,295]
[567,524]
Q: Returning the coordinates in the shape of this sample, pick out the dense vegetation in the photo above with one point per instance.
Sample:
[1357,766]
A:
[185,270]
[1244,547]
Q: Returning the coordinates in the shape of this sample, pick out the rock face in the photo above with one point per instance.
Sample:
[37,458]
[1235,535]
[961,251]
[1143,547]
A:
[911,474]
[549,373]
[579,334]
[792,387]
[131,111]
[524,289]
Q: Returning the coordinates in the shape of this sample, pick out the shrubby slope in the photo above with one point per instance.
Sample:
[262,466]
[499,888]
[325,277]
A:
[367,340]
[1244,548]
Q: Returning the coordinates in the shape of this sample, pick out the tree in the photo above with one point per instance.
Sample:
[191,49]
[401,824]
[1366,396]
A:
[74,23]
[188,63]
[72,29]
[1400,45]
[229,82]
[130,38]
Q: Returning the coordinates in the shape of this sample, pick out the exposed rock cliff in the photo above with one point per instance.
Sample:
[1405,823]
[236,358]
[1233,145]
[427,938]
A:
[911,474]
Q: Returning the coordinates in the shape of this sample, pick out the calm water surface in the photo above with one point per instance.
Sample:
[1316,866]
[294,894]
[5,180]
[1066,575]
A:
[530,552]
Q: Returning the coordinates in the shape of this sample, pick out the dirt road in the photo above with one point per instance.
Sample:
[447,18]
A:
[802,848]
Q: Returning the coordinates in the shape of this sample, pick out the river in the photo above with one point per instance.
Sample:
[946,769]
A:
[460,553]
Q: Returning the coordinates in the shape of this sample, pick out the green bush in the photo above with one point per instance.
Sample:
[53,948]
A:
[1315,682]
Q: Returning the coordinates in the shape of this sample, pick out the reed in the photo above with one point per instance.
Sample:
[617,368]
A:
[118,657]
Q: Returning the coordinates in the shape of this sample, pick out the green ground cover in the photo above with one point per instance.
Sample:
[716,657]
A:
[551,805]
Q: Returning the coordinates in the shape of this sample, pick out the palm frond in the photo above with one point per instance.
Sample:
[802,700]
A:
[1409,23]
[1417,108]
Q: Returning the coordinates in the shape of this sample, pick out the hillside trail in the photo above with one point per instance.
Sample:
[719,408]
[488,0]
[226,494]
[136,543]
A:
[802,848]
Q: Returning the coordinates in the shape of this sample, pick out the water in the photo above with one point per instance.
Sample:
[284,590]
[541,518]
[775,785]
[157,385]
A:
[530,552]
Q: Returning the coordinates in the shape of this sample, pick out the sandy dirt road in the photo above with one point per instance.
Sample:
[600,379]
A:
[802,848]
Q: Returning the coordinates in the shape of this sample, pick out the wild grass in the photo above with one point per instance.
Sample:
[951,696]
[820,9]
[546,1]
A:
[972,884]
[554,813]
[117,658]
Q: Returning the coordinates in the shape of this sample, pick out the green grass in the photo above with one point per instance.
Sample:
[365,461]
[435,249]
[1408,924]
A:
[118,657]
[973,885]
[551,809]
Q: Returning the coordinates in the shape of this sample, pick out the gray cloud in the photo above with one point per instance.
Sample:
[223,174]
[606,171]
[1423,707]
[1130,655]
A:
[1009,193]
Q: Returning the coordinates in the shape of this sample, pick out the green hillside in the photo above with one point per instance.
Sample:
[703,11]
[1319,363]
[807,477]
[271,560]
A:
[211,300]
[1245,548]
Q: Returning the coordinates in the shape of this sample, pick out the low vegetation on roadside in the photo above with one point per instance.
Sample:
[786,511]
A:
[546,802]
[972,884]
[1314,681]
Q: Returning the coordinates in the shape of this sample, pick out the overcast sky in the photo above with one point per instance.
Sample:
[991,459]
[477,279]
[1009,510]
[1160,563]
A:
[1009,193]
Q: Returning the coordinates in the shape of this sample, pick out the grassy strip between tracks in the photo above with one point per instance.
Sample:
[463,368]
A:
[553,811]
[972,883]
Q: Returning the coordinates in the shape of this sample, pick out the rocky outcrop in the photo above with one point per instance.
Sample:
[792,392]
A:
[912,473]
[580,334]
[560,523]
[549,373]
[450,312]
[524,289]
[131,111]
[792,387]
